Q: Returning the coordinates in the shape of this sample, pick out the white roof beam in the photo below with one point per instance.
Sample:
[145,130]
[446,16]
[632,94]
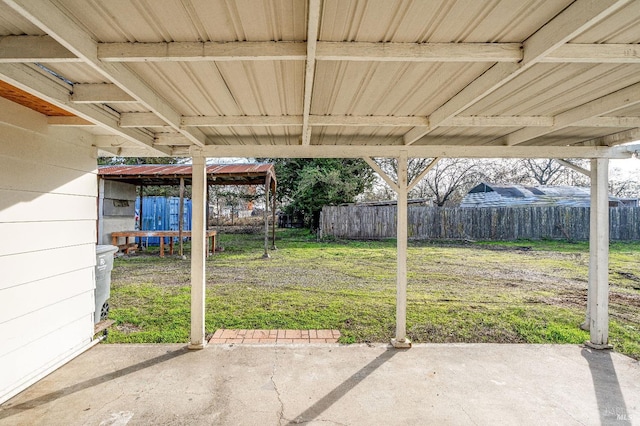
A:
[100,94]
[35,81]
[574,20]
[570,23]
[171,139]
[572,166]
[485,84]
[595,53]
[65,121]
[419,52]
[34,49]
[111,141]
[310,67]
[49,18]
[620,138]
[609,122]
[151,120]
[376,167]
[39,48]
[242,121]
[422,174]
[414,151]
[617,100]
[120,147]
[369,121]
[497,121]
[202,51]
[141,119]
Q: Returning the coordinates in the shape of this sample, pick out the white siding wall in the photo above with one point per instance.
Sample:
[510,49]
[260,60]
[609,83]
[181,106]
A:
[48,193]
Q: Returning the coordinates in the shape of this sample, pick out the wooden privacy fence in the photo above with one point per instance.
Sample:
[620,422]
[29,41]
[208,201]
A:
[488,223]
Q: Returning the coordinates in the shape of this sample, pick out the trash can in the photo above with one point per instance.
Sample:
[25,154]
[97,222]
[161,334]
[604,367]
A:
[104,265]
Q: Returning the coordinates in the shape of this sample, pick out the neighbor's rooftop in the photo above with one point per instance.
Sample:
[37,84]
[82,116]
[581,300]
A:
[170,174]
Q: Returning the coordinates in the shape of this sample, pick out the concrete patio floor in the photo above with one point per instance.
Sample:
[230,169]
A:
[331,384]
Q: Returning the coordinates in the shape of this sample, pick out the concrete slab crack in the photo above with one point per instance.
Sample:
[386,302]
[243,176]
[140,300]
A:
[468,415]
[280,412]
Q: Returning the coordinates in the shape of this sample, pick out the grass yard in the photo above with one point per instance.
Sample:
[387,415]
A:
[515,292]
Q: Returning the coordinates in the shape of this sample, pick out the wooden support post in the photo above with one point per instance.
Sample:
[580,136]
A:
[267,183]
[401,341]
[598,292]
[198,247]
[273,218]
[141,215]
[181,216]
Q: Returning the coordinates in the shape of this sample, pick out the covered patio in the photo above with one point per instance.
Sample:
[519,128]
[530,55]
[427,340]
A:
[347,79]
[481,384]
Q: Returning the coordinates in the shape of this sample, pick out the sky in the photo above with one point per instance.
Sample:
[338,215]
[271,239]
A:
[625,169]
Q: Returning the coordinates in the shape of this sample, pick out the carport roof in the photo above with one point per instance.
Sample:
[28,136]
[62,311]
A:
[334,77]
[163,174]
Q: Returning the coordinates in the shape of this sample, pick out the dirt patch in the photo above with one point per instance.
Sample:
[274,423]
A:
[241,229]
[439,333]
[629,276]
[128,328]
[627,299]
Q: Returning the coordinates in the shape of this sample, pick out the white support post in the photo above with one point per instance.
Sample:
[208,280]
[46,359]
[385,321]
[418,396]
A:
[198,252]
[598,292]
[181,217]
[401,341]
[267,184]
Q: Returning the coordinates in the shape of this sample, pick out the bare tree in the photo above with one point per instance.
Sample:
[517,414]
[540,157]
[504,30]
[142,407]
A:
[450,179]
[545,172]
[503,171]
[445,183]
[624,188]
[551,172]
[415,166]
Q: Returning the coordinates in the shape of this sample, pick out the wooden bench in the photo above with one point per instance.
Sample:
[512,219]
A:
[127,248]
[210,235]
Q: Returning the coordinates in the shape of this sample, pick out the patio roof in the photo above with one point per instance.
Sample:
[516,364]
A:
[334,78]
[170,174]
[341,78]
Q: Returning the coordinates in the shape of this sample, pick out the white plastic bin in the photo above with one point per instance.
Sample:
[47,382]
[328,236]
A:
[104,265]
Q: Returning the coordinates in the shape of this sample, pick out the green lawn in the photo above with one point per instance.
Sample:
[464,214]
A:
[520,292]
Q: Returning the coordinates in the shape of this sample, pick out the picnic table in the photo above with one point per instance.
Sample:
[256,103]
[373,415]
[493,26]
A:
[115,236]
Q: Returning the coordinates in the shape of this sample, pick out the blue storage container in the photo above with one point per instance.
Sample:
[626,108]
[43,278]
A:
[161,214]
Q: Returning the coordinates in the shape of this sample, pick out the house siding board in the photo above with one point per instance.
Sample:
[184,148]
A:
[44,321]
[58,234]
[57,180]
[40,353]
[61,287]
[23,206]
[48,197]
[24,268]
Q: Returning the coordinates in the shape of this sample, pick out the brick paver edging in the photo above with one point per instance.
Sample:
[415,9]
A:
[275,336]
